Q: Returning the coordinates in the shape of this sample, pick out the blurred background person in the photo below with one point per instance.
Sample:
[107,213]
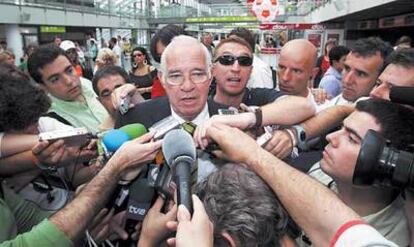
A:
[7,56]
[403,42]
[142,73]
[105,57]
[323,62]
[72,52]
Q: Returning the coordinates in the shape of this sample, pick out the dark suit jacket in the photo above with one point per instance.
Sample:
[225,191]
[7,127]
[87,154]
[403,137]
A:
[152,111]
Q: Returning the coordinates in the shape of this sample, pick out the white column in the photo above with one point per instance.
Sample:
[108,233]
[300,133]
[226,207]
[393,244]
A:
[14,40]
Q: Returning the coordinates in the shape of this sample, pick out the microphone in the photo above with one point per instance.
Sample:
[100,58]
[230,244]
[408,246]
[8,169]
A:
[141,196]
[134,130]
[402,95]
[180,154]
[114,139]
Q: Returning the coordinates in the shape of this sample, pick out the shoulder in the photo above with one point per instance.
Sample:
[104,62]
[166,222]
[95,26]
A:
[146,113]
[261,96]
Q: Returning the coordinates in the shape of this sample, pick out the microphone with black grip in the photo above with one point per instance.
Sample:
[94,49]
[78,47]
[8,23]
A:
[402,95]
[180,154]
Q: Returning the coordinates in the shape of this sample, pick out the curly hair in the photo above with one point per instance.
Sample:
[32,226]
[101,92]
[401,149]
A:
[21,102]
[240,203]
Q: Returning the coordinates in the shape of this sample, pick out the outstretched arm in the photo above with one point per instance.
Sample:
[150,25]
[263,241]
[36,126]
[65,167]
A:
[314,207]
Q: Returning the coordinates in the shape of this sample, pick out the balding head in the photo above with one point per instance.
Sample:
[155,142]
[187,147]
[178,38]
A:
[297,63]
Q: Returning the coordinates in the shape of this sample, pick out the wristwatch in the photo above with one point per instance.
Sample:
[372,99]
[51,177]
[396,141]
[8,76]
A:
[301,137]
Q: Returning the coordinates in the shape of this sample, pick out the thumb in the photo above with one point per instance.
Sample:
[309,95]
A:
[183,214]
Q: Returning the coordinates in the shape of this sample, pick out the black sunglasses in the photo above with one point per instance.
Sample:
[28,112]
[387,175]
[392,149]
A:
[229,60]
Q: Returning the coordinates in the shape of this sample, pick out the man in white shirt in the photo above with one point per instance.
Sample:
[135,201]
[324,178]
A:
[113,44]
[362,67]
[297,66]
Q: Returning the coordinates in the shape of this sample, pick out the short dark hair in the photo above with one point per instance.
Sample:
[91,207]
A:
[396,121]
[245,34]
[143,51]
[240,203]
[337,53]
[402,57]
[164,35]
[41,57]
[367,47]
[232,39]
[21,102]
[108,71]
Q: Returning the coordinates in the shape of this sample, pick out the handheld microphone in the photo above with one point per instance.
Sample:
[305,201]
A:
[402,95]
[141,196]
[180,154]
[114,139]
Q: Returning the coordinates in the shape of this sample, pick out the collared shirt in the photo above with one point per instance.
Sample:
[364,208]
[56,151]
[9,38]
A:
[331,82]
[201,117]
[205,164]
[80,114]
[338,100]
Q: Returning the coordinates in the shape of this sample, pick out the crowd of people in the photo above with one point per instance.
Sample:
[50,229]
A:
[283,167]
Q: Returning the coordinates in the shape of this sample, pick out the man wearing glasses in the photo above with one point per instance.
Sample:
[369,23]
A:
[185,75]
[231,69]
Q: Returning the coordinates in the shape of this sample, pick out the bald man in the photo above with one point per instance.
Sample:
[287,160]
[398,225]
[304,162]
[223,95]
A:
[297,66]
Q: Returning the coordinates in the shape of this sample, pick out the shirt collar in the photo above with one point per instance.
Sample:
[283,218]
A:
[201,117]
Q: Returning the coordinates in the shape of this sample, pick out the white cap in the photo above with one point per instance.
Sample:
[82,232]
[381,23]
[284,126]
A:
[67,44]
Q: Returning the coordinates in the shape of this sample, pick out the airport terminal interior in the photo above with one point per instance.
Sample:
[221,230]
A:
[201,123]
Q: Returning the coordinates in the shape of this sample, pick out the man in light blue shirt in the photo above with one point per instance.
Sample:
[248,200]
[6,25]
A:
[331,81]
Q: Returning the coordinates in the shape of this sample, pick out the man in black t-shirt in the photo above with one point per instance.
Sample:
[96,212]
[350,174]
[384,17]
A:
[232,66]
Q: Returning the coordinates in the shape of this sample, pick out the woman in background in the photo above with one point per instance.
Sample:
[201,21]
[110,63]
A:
[142,73]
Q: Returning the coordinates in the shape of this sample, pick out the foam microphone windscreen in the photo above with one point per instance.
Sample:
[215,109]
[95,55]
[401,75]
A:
[114,139]
[134,130]
[178,143]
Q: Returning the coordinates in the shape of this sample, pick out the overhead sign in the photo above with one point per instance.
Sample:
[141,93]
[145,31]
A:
[221,19]
[52,29]
[296,26]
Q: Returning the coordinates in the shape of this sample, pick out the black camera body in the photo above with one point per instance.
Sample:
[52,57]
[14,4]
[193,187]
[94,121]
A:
[379,163]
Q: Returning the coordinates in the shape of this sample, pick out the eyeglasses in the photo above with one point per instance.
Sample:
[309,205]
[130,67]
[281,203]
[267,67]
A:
[229,60]
[177,78]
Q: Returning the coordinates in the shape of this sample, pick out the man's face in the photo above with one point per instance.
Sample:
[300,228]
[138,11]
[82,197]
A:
[232,79]
[359,75]
[393,75]
[340,155]
[60,79]
[106,86]
[294,72]
[187,99]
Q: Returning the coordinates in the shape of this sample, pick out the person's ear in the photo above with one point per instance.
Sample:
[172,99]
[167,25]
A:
[229,239]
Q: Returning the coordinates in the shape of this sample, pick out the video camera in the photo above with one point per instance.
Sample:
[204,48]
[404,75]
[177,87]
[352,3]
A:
[379,163]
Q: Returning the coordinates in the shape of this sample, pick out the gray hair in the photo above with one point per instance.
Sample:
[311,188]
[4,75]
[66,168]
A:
[240,203]
[186,41]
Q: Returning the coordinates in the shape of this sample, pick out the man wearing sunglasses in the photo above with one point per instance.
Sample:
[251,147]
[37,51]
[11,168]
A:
[232,68]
